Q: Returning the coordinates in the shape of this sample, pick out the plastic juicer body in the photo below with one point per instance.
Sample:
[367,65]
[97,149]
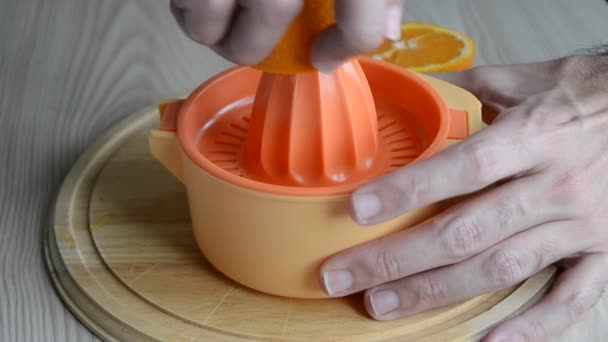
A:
[273,237]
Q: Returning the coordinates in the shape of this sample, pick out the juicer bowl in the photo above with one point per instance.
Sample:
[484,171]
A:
[274,238]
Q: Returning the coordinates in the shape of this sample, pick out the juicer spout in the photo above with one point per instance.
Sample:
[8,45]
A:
[164,144]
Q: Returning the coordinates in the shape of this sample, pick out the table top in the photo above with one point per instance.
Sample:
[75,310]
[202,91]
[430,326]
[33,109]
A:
[69,70]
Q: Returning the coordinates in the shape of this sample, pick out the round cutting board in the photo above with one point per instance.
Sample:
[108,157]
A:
[123,258]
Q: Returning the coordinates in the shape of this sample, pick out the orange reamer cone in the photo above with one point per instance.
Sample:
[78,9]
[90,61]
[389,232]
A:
[312,129]
[308,128]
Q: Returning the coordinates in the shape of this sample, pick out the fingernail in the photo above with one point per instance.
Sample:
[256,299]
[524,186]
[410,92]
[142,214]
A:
[337,282]
[327,66]
[366,206]
[384,301]
[393,23]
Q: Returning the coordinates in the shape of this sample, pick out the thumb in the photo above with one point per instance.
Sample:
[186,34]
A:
[463,79]
[475,81]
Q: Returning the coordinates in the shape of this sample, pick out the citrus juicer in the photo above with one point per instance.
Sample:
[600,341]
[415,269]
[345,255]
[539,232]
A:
[270,154]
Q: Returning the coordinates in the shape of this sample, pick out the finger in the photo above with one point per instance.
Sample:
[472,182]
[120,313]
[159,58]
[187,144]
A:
[504,86]
[204,21]
[472,82]
[499,267]
[454,235]
[491,155]
[575,292]
[257,28]
[360,28]
[392,21]
[464,79]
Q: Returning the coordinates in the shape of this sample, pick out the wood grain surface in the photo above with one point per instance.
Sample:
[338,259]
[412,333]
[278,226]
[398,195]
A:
[70,69]
[122,253]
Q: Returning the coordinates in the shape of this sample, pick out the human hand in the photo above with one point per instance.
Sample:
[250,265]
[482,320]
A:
[538,172]
[246,31]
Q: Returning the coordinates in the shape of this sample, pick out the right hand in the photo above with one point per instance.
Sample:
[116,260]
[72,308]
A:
[246,31]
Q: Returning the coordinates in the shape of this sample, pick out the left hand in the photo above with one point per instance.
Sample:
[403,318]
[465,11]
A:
[540,171]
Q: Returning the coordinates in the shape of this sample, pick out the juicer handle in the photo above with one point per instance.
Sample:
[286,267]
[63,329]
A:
[459,124]
[462,125]
[163,142]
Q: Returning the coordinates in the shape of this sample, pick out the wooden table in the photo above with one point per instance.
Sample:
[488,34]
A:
[71,69]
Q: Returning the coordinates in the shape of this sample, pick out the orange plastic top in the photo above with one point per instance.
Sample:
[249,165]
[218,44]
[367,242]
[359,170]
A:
[308,128]
[215,123]
[282,128]
[312,129]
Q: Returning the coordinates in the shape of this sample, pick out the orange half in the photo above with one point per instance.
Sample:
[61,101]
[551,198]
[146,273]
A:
[428,48]
[292,54]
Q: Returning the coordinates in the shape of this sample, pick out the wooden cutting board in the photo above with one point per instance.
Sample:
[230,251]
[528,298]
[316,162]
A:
[122,256]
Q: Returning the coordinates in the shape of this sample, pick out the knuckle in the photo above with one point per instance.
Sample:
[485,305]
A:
[539,119]
[414,188]
[507,211]
[482,160]
[387,266]
[462,237]
[429,292]
[547,253]
[536,331]
[573,194]
[581,302]
[202,22]
[420,190]
[506,267]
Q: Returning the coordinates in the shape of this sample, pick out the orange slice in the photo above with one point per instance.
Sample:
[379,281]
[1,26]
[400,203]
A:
[428,48]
